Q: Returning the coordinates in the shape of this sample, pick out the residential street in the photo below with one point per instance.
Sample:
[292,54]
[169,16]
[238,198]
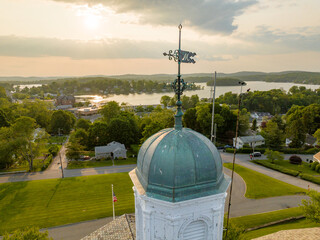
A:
[240,205]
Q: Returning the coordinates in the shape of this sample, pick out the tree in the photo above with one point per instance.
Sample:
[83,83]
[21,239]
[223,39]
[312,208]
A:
[62,122]
[165,100]
[74,150]
[81,136]
[317,135]
[274,137]
[273,155]
[190,119]
[243,121]
[254,125]
[28,139]
[98,134]
[119,130]
[27,234]
[110,110]
[83,123]
[311,207]
[8,146]
[4,122]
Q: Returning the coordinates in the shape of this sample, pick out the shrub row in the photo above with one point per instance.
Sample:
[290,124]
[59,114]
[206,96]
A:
[310,178]
[294,173]
[283,150]
[277,168]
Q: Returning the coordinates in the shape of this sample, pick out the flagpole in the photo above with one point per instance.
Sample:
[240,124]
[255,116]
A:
[112,202]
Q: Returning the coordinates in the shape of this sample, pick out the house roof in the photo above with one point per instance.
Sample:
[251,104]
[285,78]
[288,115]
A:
[310,139]
[122,228]
[249,139]
[111,147]
[317,156]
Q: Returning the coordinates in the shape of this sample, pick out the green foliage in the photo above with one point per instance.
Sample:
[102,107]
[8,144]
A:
[311,207]
[4,121]
[62,122]
[310,178]
[317,135]
[80,136]
[273,155]
[165,100]
[254,125]
[155,121]
[317,169]
[235,232]
[273,135]
[109,111]
[31,233]
[74,150]
[224,81]
[47,162]
[83,123]
[53,150]
[314,164]
[98,134]
[277,167]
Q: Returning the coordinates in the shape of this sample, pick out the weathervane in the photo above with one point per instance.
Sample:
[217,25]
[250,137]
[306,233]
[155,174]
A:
[178,84]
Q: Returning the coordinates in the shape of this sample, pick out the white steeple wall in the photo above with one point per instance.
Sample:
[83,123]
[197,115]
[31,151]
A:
[196,219]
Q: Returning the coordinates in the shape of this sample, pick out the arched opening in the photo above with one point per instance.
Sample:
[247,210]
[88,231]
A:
[196,230]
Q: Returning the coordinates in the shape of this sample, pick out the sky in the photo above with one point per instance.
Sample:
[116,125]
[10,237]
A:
[112,37]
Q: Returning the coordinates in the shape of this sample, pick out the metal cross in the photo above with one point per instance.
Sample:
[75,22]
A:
[179,85]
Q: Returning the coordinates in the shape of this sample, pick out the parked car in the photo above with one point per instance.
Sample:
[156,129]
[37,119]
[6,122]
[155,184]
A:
[255,154]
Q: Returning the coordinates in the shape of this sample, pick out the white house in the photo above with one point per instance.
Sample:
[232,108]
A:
[253,141]
[112,150]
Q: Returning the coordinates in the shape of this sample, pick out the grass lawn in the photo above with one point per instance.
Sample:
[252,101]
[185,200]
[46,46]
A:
[263,218]
[53,202]
[102,163]
[125,161]
[262,186]
[303,168]
[301,223]
[88,164]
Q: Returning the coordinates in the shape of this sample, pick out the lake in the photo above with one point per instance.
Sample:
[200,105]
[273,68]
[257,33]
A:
[154,98]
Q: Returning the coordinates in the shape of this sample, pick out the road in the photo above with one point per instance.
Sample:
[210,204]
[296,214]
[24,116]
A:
[240,205]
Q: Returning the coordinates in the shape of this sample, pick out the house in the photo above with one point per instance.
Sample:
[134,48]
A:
[253,141]
[112,150]
[316,157]
[65,100]
[310,141]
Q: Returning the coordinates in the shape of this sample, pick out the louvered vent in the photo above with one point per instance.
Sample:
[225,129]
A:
[196,230]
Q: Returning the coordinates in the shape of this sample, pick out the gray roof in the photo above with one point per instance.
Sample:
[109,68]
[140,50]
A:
[249,139]
[111,147]
[122,228]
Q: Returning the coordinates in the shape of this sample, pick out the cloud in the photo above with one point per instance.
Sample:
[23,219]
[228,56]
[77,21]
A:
[95,49]
[209,16]
[278,41]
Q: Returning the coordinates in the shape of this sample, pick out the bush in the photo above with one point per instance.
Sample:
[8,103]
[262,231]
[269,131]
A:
[53,150]
[47,163]
[310,178]
[318,168]
[277,167]
[294,159]
[28,233]
[313,165]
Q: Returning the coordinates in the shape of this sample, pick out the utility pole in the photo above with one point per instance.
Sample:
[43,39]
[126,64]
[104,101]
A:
[213,102]
[62,174]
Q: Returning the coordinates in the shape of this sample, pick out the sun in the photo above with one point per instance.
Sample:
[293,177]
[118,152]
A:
[91,21]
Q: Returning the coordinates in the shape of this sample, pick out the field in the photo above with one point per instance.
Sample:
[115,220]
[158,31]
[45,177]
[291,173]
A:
[47,203]
[262,186]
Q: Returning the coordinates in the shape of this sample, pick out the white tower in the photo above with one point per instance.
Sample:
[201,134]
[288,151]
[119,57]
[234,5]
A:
[179,187]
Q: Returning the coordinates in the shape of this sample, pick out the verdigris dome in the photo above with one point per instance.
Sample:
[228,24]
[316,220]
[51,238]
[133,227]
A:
[180,164]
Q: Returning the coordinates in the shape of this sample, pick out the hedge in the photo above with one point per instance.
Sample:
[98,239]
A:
[277,168]
[47,162]
[283,150]
[310,178]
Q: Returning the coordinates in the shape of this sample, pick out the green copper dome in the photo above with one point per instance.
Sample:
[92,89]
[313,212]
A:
[180,164]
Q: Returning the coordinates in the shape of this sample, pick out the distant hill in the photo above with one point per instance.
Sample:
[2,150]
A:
[287,76]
